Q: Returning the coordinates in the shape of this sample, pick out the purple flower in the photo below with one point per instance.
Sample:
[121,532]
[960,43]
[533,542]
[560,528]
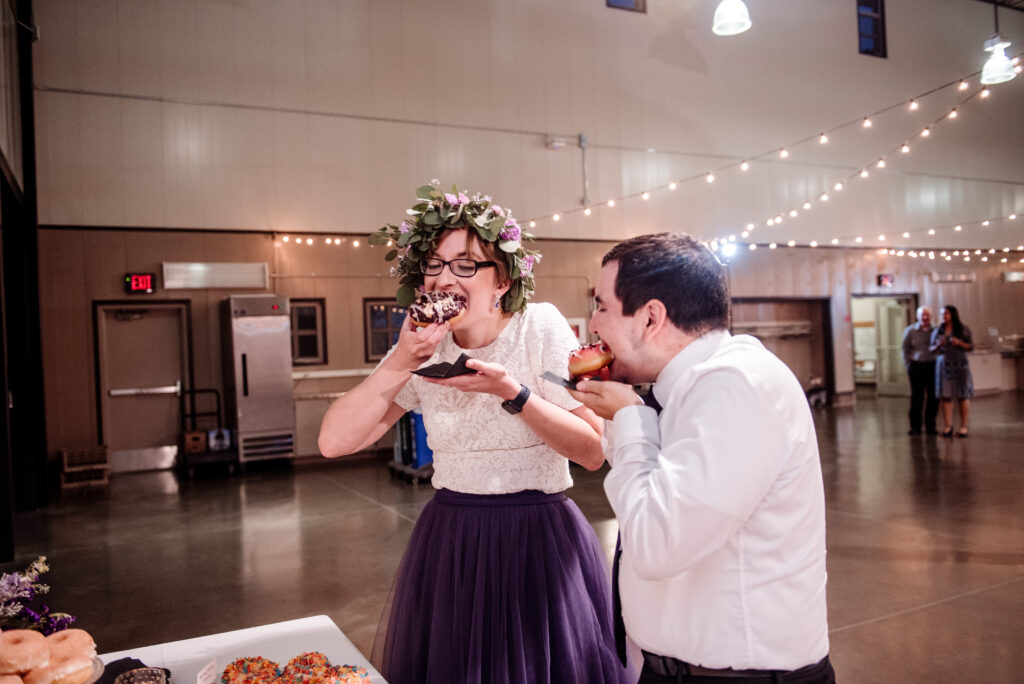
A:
[498,211]
[512,231]
[527,265]
[456,201]
[405,227]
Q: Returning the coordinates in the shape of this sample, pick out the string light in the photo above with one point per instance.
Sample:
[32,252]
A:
[824,138]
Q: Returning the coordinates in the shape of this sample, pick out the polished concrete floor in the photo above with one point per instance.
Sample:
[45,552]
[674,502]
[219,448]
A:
[925,546]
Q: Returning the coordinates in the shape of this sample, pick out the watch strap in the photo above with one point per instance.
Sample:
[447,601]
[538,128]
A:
[515,406]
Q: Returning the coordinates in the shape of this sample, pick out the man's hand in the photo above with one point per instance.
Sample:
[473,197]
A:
[605,397]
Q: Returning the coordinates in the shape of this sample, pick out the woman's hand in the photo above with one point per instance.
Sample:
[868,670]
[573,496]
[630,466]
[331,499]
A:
[416,345]
[489,378]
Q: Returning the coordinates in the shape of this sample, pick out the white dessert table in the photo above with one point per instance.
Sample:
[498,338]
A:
[279,642]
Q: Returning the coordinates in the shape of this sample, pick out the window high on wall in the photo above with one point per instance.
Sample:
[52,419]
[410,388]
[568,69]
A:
[309,337]
[634,5]
[382,322]
[871,27]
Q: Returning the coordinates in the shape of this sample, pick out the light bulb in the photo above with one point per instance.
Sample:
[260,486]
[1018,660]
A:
[355,243]
[309,241]
[958,228]
[770,222]
[963,85]
[985,222]
[586,212]
[753,246]
[750,226]
[913,105]
[823,139]
[882,238]
[793,212]
[952,114]
[986,92]
[807,205]
[824,197]
[611,203]
[710,178]
[881,164]
[906,234]
[744,166]
[864,173]
[926,132]
[931,231]
[1012,217]
[783,153]
[791,243]
[533,224]
[285,238]
[859,239]
[731,18]
[646,195]
[814,243]
[835,241]
[905,148]
[998,68]
[772,246]
[672,185]
[745,234]
[838,186]
[866,123]
[557,217]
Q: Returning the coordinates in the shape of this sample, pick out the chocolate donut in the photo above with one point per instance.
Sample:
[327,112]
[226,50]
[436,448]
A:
[437,306]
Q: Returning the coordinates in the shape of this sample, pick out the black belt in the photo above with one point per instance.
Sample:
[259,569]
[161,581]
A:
[665,666]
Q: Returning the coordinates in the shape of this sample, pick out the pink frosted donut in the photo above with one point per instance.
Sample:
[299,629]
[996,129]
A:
[70,642]
[22,650]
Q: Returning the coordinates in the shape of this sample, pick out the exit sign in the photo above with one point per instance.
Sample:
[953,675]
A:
[139,283]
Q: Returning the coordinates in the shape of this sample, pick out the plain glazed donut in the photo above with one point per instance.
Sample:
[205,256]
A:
[22,650]
[73,669]
[71,642]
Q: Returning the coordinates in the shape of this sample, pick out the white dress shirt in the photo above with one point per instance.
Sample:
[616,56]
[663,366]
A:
[722,512]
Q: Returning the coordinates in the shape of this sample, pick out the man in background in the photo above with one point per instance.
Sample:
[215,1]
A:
[919,361]
[718,494]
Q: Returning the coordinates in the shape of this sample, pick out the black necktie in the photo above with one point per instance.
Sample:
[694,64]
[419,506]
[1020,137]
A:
[619,625]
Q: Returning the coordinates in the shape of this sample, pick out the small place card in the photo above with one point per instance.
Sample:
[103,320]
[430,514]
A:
[208,675]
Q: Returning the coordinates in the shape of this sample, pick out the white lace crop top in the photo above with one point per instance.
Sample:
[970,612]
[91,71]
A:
[479,448]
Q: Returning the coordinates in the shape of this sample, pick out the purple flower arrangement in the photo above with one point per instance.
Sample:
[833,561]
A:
[18,590]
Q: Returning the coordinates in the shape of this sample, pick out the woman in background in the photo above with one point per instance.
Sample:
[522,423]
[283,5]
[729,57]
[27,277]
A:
[951,341]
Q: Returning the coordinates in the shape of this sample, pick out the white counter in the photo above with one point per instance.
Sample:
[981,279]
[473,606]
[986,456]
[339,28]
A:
[279,642]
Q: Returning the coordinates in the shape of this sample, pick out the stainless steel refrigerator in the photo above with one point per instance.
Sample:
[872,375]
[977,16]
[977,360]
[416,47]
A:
[258,375]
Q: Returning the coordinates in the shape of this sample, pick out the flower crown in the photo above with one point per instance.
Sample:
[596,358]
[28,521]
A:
[437,211]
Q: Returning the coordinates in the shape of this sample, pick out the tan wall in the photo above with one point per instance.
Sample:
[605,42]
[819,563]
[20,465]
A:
[81,266]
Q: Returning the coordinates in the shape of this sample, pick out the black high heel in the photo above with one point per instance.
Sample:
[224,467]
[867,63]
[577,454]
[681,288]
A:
[948,432]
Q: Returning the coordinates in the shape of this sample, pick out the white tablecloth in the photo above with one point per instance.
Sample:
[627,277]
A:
[279,642]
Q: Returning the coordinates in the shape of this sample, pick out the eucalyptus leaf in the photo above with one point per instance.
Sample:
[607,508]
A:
[425,191]
[390,256]
[432,218]
[406,295]
[510,246]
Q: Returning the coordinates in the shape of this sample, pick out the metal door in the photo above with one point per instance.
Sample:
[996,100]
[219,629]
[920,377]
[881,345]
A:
[142,365]
[891,318]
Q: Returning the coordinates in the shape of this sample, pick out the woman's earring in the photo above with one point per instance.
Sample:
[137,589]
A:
[497,302]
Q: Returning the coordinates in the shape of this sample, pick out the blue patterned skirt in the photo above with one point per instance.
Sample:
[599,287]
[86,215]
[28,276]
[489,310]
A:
[953,377]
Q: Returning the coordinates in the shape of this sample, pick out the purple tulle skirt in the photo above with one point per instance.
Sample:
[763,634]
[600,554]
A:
[506,588]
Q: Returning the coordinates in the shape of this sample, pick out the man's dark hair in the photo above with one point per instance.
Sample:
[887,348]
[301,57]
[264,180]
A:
[677,270]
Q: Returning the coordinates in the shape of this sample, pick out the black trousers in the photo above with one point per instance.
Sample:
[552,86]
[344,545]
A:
[922,395]
[661,670]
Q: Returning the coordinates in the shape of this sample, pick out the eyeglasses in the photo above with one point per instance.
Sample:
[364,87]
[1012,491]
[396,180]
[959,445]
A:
[463,268]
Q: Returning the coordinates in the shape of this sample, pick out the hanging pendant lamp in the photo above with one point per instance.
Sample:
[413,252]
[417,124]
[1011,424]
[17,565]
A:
[998,68]
[731,18]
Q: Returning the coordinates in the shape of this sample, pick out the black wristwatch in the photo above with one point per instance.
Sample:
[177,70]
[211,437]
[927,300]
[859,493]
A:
[514,406]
